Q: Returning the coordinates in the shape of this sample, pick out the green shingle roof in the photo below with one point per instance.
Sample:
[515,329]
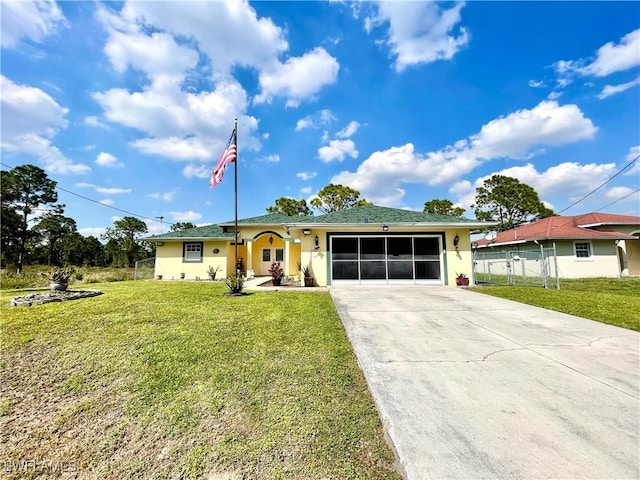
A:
[208,231]
[268,219]
[375,214]
[355,215]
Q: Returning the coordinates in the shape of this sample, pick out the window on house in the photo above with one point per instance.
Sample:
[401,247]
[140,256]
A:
[192,252]
[582,249]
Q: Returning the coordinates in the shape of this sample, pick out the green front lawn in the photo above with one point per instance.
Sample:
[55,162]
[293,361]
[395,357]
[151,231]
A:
[175,380]
[607,300]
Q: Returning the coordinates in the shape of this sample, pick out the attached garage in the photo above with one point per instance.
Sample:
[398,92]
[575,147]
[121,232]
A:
[386,259]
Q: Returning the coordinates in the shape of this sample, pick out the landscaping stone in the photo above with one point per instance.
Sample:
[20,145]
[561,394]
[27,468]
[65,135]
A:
[52,296]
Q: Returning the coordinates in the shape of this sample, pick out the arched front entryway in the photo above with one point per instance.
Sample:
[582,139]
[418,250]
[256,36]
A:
[268,247]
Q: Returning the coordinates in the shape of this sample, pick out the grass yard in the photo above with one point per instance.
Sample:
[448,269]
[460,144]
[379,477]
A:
[607,300]
[175,380]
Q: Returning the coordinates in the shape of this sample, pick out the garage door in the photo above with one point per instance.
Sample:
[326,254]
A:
[386,259]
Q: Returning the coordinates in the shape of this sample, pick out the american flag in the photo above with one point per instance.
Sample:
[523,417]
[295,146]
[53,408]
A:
[228,156]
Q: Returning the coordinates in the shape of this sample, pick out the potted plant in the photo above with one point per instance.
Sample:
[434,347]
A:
[59,279]
[277,273]
[462,280]
[211,271]
[309,281]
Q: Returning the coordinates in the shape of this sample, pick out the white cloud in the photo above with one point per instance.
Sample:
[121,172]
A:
[273,158]
[107,201]
[92,231]
[306,175]
[337,150]
[618,193]
[229,33]
[519,135]
[30,121]
[536,84]
[420,32]
[266,135]
[105,190]
[298,78]
[321,118]
[197,171]
[633,153]
[349,130]
[609,90]
[306,190]
[619,57]
[167,196]
[107,160]
[29,19]
[188,216]
[158,55]
[562,180]
[610,58]
[94,121]
[177,148]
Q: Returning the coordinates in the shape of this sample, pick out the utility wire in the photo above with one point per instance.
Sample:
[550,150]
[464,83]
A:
[598,188]
[57,187]
[619,200]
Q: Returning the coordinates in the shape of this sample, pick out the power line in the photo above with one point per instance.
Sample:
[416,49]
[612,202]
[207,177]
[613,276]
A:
[599,187]
[57,187]
[619,200]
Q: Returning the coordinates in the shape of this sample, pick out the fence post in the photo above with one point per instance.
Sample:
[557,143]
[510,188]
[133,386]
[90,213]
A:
[543,267]
[555,261]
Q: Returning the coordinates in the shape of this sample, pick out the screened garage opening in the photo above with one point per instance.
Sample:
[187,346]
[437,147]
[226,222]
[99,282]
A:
[387,259]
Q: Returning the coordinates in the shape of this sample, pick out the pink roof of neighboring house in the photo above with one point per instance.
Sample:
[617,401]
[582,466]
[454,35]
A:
[566,227]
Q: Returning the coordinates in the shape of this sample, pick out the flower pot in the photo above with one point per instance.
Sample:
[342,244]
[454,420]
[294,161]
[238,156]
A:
[462,282]
[276,281]
[59,286]
[309,281]
[182,275]
[158,277]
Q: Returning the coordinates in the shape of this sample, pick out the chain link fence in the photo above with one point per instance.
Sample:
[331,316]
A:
[517,267]
[145,269]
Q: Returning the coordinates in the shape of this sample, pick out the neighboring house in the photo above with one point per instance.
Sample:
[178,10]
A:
[589,245]
[368,244]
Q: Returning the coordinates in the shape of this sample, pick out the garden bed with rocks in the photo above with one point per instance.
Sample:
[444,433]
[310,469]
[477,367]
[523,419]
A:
[40,298]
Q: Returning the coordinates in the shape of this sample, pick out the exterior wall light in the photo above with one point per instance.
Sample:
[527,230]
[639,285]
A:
[306,231]
[385,228]
[317,242]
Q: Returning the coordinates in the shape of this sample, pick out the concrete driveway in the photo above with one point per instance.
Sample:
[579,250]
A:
[470,386]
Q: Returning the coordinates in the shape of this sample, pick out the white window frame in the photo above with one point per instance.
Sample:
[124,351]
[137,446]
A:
[189,251]
[589,257]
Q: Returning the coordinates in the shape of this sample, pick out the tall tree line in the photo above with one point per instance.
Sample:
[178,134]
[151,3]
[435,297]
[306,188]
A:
[34,229]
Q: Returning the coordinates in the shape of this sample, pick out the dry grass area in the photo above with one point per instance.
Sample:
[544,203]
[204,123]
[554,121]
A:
[174,380]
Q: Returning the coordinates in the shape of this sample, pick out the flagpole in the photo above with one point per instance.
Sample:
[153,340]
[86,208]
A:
[236,193]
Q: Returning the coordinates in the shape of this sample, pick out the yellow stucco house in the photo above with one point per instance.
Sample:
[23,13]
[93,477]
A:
[359,245]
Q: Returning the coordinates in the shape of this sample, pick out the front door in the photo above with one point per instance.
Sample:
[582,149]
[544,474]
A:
[269,255]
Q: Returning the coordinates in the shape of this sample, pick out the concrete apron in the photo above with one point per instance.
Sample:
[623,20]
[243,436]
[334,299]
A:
[471,386]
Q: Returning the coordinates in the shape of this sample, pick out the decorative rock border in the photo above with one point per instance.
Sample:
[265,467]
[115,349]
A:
[52,296]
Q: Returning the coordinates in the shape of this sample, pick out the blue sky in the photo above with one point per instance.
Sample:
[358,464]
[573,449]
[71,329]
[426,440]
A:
[132,103]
